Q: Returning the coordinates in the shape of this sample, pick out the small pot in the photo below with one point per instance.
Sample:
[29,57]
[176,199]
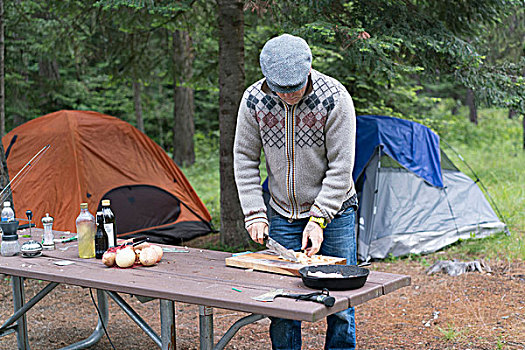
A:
[353,277]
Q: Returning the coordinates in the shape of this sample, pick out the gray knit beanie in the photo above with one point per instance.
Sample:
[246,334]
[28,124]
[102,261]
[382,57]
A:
[285,62]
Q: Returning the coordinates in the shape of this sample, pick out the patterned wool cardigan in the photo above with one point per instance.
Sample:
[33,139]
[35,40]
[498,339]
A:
[309,149]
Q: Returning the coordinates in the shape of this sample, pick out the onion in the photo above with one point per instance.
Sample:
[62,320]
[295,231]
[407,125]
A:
[125,257]
[158,250]
[109,258]
[148,256]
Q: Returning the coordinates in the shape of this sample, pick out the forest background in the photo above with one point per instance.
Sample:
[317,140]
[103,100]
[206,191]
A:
[177,69]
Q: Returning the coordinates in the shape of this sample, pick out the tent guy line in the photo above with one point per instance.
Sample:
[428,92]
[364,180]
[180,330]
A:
[478,180]
[12,184]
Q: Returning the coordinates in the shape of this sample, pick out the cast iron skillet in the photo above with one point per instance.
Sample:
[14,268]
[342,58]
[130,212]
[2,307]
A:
[353,277]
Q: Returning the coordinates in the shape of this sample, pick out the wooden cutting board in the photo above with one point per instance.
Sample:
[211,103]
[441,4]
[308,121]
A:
[272,263]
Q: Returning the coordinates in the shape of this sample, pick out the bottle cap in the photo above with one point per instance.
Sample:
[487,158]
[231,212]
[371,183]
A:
[47,219]
[7,204]
[105,202]
[83,206]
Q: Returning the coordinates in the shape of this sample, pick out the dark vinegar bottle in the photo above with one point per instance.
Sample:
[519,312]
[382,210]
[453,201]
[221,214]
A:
[101,237]
[110,223]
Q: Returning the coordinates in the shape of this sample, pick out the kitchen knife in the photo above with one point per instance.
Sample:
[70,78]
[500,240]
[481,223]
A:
[288,254]
[318,297]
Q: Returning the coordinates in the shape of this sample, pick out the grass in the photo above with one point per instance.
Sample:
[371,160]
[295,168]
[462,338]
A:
[450,333]
[204,174]
[493,149]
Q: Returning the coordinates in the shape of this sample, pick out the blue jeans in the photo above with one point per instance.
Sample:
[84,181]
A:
[339,240]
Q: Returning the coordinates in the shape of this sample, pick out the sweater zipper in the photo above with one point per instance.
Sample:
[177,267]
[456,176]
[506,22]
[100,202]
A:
[290,159]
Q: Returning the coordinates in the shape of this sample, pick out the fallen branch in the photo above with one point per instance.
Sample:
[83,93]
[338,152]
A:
[456,268]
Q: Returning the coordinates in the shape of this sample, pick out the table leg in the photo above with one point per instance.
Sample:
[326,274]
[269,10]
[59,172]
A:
[135,317]
[167,324]
[18,302]
[102,301]
[235,328]
[26,306]
[206,327]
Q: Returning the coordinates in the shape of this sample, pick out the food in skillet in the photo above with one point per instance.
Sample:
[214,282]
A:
[321,274]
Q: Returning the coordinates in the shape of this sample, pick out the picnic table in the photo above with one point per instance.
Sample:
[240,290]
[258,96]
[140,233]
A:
[187,275]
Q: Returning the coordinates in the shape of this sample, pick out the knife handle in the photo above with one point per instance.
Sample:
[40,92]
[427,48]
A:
[324,299]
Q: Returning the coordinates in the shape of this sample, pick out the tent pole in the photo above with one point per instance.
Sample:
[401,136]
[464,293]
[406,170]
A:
[376,190]
[450,209]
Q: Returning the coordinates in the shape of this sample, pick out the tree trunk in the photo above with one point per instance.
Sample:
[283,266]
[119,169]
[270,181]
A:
[4,174]
[512,113]
[183,127]
[160,122]
[138,105]
[231,88]
[471,103]
[523,131]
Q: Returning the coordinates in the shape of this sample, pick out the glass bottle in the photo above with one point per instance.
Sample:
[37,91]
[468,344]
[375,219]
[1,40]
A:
[86,233]
[101,237]
[110,223]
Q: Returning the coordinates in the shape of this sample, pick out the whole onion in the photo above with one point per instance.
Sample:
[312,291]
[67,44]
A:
[109,258]
[125,257]
[148,256]
[158,250]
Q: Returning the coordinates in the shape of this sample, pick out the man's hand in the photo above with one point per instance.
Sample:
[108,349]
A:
[258,231]
[314,233]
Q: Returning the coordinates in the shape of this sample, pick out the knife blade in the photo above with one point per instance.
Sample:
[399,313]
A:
[273,245]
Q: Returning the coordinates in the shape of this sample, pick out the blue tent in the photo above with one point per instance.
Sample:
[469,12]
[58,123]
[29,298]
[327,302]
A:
[412,198]
[412,145]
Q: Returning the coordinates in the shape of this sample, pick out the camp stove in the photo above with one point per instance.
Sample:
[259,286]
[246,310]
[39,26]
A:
[31,248]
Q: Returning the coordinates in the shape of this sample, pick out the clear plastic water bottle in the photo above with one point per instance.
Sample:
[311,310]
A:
[7,212]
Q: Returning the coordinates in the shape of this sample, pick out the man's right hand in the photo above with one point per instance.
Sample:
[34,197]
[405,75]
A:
[258,231]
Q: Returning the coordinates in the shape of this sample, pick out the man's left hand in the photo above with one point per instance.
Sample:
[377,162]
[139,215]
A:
[314,233]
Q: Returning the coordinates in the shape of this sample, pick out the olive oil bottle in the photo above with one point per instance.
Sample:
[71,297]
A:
[110,223]
[86,233]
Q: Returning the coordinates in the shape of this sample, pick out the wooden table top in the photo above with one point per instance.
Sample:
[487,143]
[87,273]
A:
[197,277]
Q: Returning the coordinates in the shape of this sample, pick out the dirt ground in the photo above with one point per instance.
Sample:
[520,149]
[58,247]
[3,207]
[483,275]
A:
[471,311]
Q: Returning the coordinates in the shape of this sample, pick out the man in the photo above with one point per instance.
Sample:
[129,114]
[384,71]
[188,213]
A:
[305,122]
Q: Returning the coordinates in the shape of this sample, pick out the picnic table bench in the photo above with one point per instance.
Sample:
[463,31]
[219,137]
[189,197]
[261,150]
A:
[187,275]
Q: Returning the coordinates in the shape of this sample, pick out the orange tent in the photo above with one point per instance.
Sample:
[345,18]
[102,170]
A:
[92,157]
